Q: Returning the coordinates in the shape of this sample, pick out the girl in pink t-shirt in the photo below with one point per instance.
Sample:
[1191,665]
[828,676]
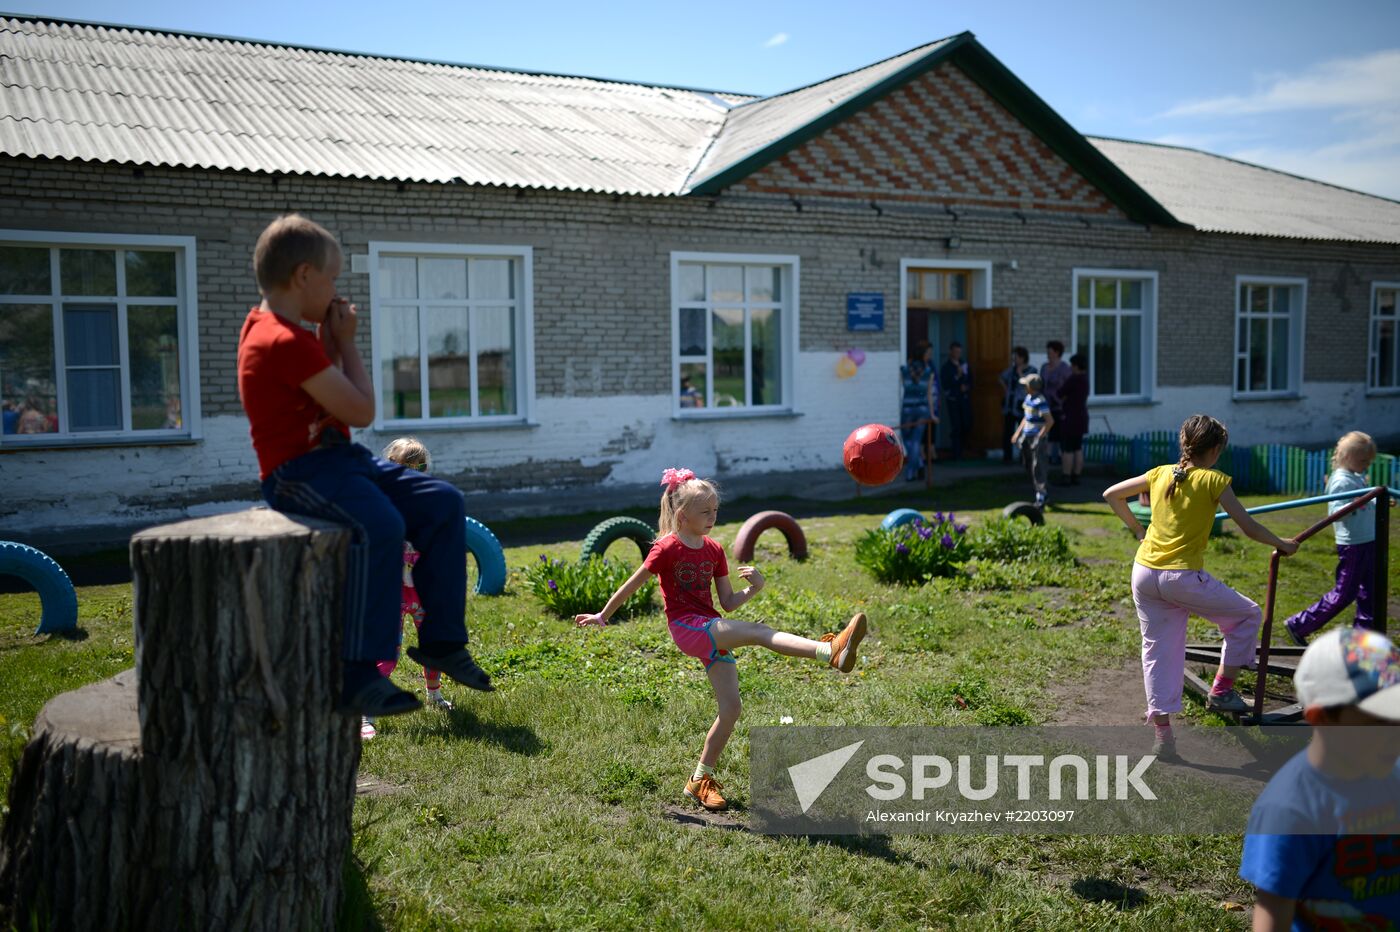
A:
[410,452]
[685,562]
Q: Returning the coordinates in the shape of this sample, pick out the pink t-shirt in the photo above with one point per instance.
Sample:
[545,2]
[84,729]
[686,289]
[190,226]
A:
[685,574]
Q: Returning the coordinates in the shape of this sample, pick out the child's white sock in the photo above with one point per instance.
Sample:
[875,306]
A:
[824,651]
[701,770]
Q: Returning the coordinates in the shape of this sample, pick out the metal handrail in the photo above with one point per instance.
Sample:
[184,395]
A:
[1379,494]
[1301,502]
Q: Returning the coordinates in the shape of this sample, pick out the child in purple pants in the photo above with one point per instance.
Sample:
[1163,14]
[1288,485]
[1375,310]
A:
[1356,544]
[1170,581]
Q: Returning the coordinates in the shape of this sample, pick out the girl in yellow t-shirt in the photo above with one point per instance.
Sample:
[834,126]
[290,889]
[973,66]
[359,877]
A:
[1169,579]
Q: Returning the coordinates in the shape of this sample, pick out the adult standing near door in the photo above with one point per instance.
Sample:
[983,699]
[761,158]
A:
[1053,374]
[956,384]
[918,404]
[1013,395]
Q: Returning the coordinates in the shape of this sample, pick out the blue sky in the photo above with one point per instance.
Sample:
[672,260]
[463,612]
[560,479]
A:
[1307,87]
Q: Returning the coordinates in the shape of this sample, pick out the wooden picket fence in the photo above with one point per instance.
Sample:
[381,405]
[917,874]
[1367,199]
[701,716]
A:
[1262,469]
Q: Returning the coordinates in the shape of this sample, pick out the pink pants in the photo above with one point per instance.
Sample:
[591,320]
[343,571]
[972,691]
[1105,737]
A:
[1164,598]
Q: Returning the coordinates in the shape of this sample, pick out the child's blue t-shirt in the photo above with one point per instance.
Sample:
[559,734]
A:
[1359,527]
[1341,878]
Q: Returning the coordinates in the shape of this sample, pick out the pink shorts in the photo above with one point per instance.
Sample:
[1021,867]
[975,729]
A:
[692,635]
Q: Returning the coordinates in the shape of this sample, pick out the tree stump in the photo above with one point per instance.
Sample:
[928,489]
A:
[213,788]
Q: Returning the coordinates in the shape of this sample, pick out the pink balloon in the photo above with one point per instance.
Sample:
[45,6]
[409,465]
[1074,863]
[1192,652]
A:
[857,356]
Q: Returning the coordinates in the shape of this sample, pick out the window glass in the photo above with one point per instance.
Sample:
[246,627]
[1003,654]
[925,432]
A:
[24,270]
[495,360]
[88,272]
[726,282]
[400,376]
[692,282]
[727,326]
[398,277]
[28,392]
[444,279]
[493,279]
[153,340]
[692,342]
[150,274]
[767,379]
[449,361]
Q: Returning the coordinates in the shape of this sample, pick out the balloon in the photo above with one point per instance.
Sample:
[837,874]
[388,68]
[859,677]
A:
[856,356]
[845,368]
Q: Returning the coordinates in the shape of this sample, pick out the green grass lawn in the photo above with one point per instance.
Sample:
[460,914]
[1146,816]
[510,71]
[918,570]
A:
[553,802]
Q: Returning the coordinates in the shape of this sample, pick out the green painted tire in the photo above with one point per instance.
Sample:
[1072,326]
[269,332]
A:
[608,532]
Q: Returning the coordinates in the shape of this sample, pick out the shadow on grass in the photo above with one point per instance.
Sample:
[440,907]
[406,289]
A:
[1099,890]
[465,723]
[357,912]
[871,846]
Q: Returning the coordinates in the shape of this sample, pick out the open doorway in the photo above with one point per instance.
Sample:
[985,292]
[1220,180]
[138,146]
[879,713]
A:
[947,302]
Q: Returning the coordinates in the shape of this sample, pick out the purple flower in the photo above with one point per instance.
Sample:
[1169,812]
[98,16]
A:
[938,517]
[960,528]
[552,586]
[951,519]
[925,532]
[900,548]
[947,542]
[544,558]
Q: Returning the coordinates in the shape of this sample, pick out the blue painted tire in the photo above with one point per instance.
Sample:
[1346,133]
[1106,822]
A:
[56,593]
[490,558]
[900,516]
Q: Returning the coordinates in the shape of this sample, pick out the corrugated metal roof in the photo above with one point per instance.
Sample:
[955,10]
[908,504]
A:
[1222,195]
[80,91]
[753,126]
[117,94]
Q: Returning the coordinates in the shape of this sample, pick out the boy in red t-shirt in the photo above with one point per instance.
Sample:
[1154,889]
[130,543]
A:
[300,390]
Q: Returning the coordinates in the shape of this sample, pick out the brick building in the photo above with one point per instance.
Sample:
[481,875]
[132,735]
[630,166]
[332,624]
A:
[545,264]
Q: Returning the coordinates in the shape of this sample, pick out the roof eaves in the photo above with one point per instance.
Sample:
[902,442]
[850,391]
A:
[272,43]
[726,176]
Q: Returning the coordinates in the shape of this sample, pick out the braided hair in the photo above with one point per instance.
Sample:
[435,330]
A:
[1200,433]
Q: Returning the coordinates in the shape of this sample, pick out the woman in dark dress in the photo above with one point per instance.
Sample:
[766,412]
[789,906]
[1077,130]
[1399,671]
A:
[1074,402]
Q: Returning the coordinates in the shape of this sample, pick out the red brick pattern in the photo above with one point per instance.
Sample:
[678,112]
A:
[940,139]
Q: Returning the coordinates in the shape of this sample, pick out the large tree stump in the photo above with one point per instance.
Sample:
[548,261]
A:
[229,805]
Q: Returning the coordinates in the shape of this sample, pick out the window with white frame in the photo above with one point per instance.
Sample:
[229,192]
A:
[1115,314]
[734,331]
[452,330]
[1383,370]
[1268,335]
[96,337]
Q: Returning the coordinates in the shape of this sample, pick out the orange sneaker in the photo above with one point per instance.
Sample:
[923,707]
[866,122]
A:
[843,645]
[705,791]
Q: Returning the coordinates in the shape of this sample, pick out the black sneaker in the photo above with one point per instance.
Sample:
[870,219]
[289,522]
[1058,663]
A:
[1294,636]
[377,698]
[459,665]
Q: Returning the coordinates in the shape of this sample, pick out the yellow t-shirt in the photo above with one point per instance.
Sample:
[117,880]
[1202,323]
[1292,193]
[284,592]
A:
[1176,538]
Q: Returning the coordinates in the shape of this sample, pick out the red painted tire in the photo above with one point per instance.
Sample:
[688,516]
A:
[748,535]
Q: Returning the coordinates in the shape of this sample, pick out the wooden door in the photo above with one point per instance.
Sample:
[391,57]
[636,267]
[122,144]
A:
[988,353]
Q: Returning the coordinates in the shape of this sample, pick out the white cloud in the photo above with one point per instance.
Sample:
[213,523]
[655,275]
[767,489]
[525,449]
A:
[1337,121]
[776,39]
[1369,81]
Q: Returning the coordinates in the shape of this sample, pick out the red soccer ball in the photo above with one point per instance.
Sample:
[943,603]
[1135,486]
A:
[873,454]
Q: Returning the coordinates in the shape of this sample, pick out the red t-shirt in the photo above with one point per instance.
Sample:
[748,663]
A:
[686,574]
[274,357]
